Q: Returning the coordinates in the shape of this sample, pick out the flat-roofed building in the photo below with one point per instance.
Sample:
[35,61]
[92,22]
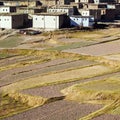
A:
[96,13]
[13,20]
[63,9]
[104,1]
[108,14]
[31,10]
[96,6]
[82,21]
[1,3]
[84,1]
[7,9]
[30,3]
[50,21]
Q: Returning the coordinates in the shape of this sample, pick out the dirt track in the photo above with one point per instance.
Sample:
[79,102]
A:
[59,110]
[98,49]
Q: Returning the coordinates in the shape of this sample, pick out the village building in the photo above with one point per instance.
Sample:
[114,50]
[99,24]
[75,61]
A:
[117,11]
[63,9]
[31,10]
[55,2]
[84,1]
[96,6]
[29,3]
[1,3]
[77,5]
[82,21]
[49,2]
[117,1]
[104,1]
[13,20]
[96,13]
[7,9]
[50,21]
[108,14]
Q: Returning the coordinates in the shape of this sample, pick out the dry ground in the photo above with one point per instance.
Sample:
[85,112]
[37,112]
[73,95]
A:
[41,75]
[60,110]
[98,49]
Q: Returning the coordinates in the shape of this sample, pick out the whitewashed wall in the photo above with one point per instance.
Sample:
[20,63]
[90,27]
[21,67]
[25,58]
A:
[4,9]
[46,22]
[6,22]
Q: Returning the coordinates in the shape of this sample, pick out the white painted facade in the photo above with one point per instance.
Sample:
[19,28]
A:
[80,21]
[91,12]
[4,9]
[83,1]
[69,11]
[12,21]
[85,13]
[111,6]
[7,9]
[97,1]
[48,21]
[6,22]
[77,1]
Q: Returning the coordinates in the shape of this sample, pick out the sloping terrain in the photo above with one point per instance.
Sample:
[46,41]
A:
[78,79]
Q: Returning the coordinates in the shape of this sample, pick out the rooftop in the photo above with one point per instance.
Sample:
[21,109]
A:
[11,14]
[51,14]
[79,16]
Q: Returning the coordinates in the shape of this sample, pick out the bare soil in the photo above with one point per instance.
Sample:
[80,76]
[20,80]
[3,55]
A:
[59,110]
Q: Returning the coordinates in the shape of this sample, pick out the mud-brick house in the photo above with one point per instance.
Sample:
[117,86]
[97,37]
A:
[96,13]
[108,14]
[84,1]
[77,5]
[13,20]
[1,3]
[31,3]
[49,2]
[56,2]
[96,6]
[104,1]
[50,21]
[82,21]
[7,9]
[31,10]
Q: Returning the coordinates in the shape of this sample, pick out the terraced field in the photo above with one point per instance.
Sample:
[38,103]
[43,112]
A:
[82,82]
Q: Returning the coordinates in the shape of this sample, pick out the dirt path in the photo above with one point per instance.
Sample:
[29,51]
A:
[59,110]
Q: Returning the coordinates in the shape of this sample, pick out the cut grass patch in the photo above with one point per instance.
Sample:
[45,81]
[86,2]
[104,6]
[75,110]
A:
[45,56]
[10,106]
[70,46]
[107,89]
[105,92]
[115,111]
[2,55]
[14,103]
[12,41]
[115,57]
[60,77]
